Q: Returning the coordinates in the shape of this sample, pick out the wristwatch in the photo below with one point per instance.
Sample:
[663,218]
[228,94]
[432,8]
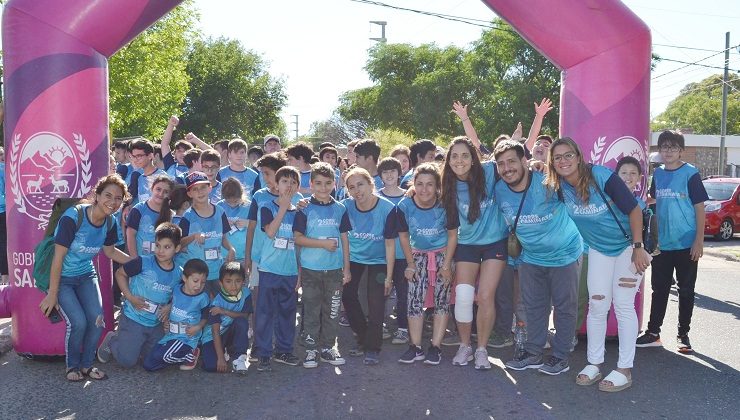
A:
[636,245]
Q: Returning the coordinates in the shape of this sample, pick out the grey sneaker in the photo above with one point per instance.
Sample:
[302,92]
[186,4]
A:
[481,360]
[104,352]
[372,358]
[525,361]
[386,333]
[401,336]
[463,356]
[311,360]
[554,366]
[264,365]
[451,339]
[356,351]
[497,341]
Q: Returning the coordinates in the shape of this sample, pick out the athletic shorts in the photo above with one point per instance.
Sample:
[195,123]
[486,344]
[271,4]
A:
[479,253]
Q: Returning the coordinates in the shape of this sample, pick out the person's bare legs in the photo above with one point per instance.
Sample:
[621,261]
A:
[490,276]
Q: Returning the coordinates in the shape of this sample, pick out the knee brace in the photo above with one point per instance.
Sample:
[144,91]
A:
[464,296]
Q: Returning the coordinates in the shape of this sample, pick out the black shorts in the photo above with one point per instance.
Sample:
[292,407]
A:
[479,253]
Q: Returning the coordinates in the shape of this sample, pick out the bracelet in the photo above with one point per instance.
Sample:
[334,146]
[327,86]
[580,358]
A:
[445,268]
[411,269]
[465,119]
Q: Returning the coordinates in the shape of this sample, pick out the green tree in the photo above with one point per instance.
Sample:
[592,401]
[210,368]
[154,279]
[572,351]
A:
[337,130]
[699,107]
[231,93]
[148,81]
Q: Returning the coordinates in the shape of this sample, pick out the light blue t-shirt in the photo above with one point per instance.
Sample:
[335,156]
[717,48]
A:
[258,200]
[140,187]
[215,195]
[176,170]
[306,180]
[676,192]
[369,231]
[548,236]
[187,310]
[427,228]
[247,177]
[83,244]
[213,228]
[141,218]
[594,220]
[237,236]
[395,200]
[278,254]
[2,187]
[153,283]
[239,303]
[322,221]
[489,227]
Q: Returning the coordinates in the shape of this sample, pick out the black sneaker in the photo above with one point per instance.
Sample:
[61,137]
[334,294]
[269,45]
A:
[554,366]
[356,351]
[525,361]
[264,365]
[311,360]
[649,340]
[684,345]
[343,320]
[286,358]
[332,357]
[411,355]
[434,356]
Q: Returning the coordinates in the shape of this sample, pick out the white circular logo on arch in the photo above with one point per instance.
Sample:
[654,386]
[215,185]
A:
[619,148]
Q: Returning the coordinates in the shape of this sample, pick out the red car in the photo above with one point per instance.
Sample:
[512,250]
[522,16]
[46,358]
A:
[722,208]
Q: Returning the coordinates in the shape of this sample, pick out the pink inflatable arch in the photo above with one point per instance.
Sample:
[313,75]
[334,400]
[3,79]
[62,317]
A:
[56,102]
[56,132]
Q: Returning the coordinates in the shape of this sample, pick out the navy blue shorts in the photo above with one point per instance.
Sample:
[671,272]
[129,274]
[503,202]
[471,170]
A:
[479,253]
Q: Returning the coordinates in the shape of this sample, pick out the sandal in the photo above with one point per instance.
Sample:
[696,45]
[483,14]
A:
[592,374]
[618,381]
[74,375]
[94,373]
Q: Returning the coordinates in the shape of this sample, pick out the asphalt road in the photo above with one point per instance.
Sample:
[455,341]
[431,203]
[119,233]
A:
[666,384]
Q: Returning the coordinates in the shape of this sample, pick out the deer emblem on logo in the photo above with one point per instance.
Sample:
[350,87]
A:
[61,186]
[34,186]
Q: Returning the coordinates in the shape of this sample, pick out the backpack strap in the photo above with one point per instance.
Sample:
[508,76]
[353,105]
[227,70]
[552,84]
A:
[79,210]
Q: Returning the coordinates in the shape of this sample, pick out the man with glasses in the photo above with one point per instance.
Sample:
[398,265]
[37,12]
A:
[142,158]
[210,161]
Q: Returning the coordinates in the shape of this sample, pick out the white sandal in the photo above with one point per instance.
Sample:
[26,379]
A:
[591,372]
[619,382]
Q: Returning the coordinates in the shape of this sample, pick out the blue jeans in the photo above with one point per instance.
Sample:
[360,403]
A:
[82,309]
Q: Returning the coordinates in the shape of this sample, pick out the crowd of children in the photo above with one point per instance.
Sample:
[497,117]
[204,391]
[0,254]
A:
[215,243]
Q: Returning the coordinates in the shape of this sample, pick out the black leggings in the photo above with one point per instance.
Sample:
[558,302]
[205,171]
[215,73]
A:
[369,331]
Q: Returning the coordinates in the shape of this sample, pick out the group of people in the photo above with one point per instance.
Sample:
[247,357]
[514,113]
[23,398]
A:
[212,249]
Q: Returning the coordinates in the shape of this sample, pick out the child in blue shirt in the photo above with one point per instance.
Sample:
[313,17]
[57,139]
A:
[278,272]
[142,156]
[184,325]
[143,218]
[679,199]
[228,322]
[174,165]
[320,230]
[236,208]
[147,283]
[238,169]
[204,228]
[210,162]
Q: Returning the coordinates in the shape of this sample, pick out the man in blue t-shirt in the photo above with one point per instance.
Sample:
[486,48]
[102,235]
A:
[549,268]
[142,154]
[238,169]
[679,198]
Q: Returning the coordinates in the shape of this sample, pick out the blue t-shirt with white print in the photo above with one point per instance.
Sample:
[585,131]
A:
[213,228]
[322,221]
[369,231]
[140,185]
[241,303]
[305,180]
[83,243]
[151,282]
[258,200]
[249,178]
[548,236]
[427,228]
[237,235]
[594,220]
[215,195]
[489,227]
[187,310]
[676,192]
[278,254]
[395,200]
[141,218]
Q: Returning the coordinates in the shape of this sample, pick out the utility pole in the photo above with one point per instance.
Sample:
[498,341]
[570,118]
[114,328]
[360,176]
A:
[296,125]
[723,126]
[382,24]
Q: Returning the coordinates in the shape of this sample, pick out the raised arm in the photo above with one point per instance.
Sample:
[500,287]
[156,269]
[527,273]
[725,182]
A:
[539,115]
[462,112]
[167,136]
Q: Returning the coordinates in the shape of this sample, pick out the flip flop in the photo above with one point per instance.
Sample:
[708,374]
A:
[592,373]
[78,375]
[94,373]
[618,380]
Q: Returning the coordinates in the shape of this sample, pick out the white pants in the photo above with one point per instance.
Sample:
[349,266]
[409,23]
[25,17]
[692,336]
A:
[611,281]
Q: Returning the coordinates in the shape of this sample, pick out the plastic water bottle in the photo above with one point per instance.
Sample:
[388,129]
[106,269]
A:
[520,338]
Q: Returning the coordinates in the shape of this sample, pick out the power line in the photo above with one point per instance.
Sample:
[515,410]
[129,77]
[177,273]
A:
[684,48]
[695,62]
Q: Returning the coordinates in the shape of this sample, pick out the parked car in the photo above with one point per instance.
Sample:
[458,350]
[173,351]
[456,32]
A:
[722,208]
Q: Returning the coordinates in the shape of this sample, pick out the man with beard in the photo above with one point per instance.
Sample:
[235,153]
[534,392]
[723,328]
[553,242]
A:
[551,247]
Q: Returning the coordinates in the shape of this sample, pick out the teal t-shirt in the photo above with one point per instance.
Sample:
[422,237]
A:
[489,227]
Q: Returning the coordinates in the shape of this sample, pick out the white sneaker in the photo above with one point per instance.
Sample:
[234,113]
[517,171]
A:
[240,364]
[481,359]
[463,356]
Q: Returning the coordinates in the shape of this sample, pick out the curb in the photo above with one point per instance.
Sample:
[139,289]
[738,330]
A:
[6,342]
[717,252]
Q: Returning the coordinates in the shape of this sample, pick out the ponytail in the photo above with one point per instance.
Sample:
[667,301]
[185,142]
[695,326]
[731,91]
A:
[165,213]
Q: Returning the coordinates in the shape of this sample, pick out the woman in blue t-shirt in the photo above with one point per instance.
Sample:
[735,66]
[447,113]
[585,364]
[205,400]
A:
[73,282]
[372,251]
[610,222]
[481,254]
